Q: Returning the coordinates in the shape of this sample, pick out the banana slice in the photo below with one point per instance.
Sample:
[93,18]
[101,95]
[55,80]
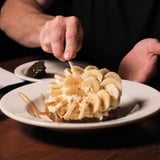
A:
[111,81]
[77,71]
[90,84]
[94,73]
[67,72]
[115,94]
[105,98]
[72,82]
[104,71]
[94,101]
[90,67]
[113,75]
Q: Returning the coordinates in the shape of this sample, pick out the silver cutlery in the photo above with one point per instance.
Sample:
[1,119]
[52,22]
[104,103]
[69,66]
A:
[70,63]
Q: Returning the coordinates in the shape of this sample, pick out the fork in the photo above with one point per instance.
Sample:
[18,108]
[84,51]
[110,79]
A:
[70,64]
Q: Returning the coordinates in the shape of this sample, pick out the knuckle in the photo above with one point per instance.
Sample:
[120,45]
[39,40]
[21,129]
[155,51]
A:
[59,20]
[46,48]
[74,19]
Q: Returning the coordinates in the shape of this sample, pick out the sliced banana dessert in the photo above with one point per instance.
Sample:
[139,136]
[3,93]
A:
[83,93]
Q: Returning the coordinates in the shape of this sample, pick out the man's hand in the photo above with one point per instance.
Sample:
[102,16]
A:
[62,36]
[140,63]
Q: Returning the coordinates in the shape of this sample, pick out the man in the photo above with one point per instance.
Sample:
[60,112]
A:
[120,35]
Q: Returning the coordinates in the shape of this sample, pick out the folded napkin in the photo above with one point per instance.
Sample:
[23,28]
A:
[8,78]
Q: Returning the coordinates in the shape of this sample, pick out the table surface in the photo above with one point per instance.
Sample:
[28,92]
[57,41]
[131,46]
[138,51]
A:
[140,140]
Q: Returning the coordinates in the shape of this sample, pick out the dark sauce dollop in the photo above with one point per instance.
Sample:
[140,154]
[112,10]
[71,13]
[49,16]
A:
[38,70]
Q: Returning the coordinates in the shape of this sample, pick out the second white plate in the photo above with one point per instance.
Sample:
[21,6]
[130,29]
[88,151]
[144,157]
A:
[52,67]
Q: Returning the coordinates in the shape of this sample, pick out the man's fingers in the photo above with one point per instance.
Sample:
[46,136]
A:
[155,46]
[58,44]
[73,37]
[62,36]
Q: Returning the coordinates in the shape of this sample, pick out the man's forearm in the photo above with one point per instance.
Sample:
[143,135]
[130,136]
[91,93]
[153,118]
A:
[23,21]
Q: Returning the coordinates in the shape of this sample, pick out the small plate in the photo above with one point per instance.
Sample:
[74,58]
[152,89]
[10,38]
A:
[137,102]
[52,67]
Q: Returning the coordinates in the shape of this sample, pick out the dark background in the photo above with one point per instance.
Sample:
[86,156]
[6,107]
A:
[11,49]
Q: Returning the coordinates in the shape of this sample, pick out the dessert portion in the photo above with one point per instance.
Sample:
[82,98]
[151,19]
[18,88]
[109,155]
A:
[83,93]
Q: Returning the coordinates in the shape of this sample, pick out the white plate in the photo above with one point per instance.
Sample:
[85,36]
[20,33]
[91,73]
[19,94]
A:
[52,66]
[143,100]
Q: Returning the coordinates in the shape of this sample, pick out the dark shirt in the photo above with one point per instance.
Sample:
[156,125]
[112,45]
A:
[112,27]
